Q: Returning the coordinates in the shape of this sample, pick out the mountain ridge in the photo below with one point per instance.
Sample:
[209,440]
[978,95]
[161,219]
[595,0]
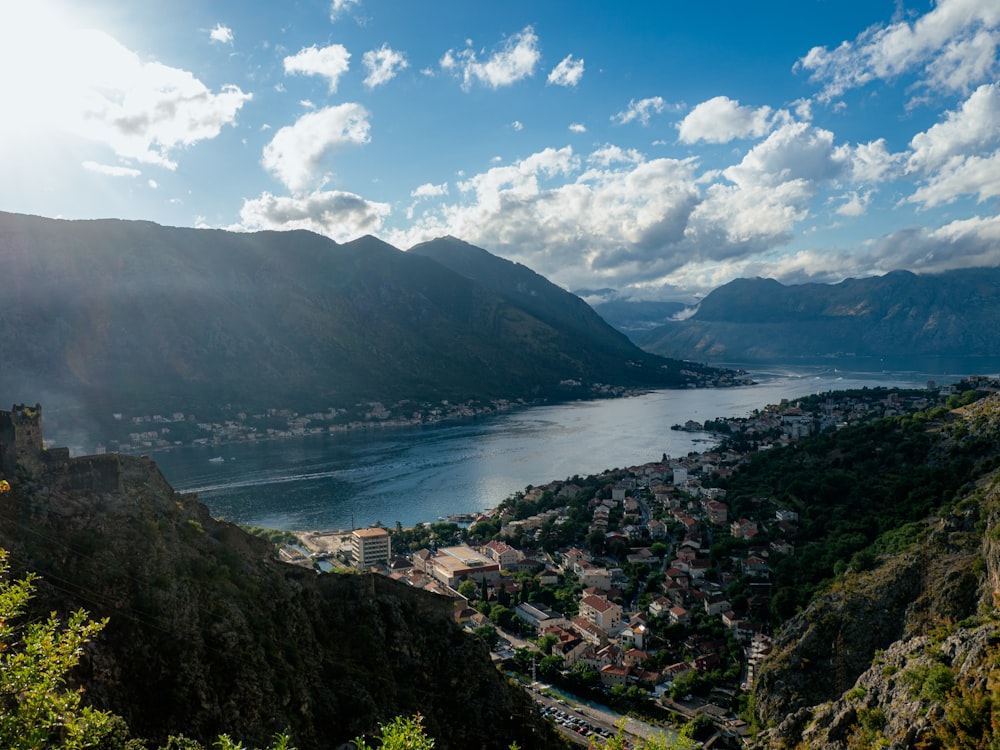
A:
[109,316]
[898,314]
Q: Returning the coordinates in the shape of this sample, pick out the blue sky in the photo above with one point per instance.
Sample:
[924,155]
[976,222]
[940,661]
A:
[656,148]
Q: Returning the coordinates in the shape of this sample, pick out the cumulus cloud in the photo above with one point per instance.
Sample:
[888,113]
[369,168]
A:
[615,216]
[974,127]
[514,61]
[517,125]
[640,110]
[339,215]
[104,92]
[567,73]
[871,162]
[970,175]
[960,155]
[383,64]
[297,153]
[429,190]
[721,119]
[953,46]
[221,33]
[339,8]
[577,127]
[794,151]
[329,62]
[110,170]
[611,154]
[965,243]
[855,203]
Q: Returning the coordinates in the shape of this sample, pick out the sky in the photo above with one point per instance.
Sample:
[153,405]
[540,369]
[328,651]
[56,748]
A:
[659,149]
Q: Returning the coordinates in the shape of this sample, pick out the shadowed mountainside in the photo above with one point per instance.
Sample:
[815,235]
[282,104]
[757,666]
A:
[208,633]
[899,314]
[111,316]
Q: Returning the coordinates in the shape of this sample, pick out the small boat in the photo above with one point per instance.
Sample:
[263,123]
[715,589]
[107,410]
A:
[216,460]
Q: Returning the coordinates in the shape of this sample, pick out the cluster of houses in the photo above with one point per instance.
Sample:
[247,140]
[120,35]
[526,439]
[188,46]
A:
[662,501]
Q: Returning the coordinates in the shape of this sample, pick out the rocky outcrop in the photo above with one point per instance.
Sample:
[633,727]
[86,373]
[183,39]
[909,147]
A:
[904,655]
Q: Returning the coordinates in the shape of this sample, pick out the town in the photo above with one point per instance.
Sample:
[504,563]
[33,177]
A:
[142,433]
[641,588]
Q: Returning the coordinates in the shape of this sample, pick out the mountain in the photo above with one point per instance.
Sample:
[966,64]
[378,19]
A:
[102,317]
[901,649]
[209,633]
[582,332]
[899,314]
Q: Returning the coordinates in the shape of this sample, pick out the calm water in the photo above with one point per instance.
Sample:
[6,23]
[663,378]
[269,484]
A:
[418,475]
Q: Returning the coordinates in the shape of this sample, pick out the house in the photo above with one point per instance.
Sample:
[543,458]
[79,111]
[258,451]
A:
[755,566]
[660,606]
[589,631]
[613,674]
[539,616]
[501,553]
[635,634]
[716,604]
[718,513]
[604,614]
[678,615]
[570,644]
[634,657]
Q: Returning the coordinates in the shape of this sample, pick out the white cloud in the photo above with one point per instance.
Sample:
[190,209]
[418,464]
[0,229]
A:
[611,154]
[797,151]
[855,204]
[221,33]
[517,125]
[383,65]
[953,46]
[971,175]
[330,62]
[111,171]
[871,162]
[614,216]
[513,62]
[567,73]
[721,119]
[578,127]
[974,127]
[429,190]
[640,110]
[99,90]
[297,153]
[965,243]
[339,215]
[153,184]
[339,7]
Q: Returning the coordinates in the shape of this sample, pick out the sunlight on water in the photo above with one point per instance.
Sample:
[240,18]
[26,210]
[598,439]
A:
[420,475]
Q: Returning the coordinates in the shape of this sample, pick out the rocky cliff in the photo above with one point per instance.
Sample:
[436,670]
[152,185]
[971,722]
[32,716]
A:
[209,633]
[904,655]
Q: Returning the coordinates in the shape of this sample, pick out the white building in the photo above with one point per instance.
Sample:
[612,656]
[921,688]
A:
[370,547]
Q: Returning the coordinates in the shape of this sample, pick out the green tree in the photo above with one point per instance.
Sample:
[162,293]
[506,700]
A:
[402,733]
[37,709]
[468,589]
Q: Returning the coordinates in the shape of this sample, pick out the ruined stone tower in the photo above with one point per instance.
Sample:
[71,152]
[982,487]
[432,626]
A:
[20,439]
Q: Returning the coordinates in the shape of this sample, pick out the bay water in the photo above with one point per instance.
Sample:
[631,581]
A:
[414,475]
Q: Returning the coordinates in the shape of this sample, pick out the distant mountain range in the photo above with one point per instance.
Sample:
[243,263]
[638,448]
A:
[900,314]
[107,316]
